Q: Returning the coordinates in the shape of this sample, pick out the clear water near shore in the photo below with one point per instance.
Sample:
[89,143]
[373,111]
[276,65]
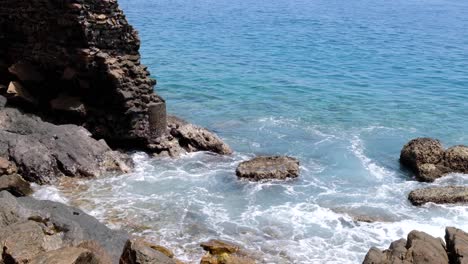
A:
[341,85]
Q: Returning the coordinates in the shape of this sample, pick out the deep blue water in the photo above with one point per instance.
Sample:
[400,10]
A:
[339,84]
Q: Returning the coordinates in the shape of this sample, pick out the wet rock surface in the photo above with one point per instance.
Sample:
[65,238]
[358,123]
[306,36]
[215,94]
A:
[43,151]
[223,252]
[439,195]
[418,248]
[182,137]
[428,160]
[268,168]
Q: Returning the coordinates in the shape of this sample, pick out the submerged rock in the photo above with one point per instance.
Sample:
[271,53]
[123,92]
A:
[223,252]
[268,167]
[418,248]
[428,160]
[439,195]
[43,151]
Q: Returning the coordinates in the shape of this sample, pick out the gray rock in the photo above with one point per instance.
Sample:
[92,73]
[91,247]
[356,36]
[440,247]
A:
[43,151]
[71,225]
[439,195]
[137,251]
[266,167]
[183,137]
[15,184]
[3,102]
[457,245]
[419,248]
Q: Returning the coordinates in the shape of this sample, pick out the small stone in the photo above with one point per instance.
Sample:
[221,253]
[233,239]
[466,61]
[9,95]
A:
[137,251]
[16,90]
[223,252]
[25,72]
[69,104]
[268,167]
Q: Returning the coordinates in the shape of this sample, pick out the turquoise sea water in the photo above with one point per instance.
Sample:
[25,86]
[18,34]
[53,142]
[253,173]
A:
[339,84]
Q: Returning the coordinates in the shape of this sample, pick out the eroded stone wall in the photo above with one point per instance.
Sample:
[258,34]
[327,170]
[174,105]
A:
[77,61]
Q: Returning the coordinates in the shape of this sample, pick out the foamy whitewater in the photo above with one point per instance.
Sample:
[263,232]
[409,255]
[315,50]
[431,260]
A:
[340,85]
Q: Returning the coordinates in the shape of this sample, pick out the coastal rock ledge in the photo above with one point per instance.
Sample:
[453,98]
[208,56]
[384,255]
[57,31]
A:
[421,248]
[439,195]
[268,168]
[428,159]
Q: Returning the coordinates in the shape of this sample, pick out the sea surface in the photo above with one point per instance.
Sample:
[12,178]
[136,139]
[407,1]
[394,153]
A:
[341,85]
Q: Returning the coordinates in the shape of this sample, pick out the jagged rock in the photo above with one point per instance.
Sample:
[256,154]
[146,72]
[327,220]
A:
[457,245]
[15,184]
[138,251]
[183,137]
[266,167]
[67,255]
[43,151]
[419,248]
[71,225]
[439,195]
[7,167]
[428,160]
[223,252]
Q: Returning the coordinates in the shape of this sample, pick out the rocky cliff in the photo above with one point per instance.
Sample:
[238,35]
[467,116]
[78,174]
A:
[77,61]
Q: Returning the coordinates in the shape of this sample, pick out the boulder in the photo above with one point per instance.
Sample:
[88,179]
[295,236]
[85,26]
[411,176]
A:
[67,255]
[59,225]
[419,248]
[457,245]
[428,160]
[268,167]
[15,184]
[439,195]
[223,252]
[44,151]
[138,251]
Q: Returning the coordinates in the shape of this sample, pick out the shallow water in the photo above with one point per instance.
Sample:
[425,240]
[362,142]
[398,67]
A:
[341,85]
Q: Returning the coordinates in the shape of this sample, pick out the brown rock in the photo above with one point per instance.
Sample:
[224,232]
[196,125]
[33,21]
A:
[223,252]
[67,255]
[419,248]
[7,167]
[137,251]
[25,72]
[457,245]
[24,240]
[456,158]
[15,184]
[266,167]
[439,195]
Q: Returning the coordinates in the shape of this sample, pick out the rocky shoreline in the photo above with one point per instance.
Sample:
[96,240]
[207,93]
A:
[73,104]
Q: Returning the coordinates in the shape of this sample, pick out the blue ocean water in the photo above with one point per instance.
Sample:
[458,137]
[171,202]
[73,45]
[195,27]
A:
[341,85]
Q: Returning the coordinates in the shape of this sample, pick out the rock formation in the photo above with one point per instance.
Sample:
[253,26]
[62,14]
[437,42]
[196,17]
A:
[428,159]
[267,168]
[439,195]
[423,248]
